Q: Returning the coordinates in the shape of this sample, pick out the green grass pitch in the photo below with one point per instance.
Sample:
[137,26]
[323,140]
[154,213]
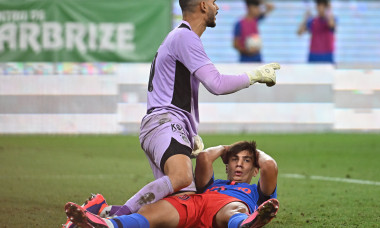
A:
[40,173]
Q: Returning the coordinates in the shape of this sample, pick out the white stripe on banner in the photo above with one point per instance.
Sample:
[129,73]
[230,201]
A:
[335,179]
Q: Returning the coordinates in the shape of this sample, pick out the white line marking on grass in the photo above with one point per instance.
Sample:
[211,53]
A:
[335,179]
[76,176]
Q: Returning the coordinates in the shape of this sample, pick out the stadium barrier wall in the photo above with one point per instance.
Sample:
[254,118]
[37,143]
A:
[110,98]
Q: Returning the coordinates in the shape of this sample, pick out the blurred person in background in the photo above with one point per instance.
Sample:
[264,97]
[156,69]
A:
[246,33]
[322,28]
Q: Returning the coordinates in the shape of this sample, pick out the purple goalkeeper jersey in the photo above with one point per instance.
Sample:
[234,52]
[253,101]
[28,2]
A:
[179,66]
[172,85]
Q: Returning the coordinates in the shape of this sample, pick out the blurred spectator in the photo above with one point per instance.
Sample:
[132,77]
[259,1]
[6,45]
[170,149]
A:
[322,29]
[246,34]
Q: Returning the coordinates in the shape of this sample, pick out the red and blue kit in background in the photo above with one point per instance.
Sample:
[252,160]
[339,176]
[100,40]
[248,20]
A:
[244,28]
[322,40]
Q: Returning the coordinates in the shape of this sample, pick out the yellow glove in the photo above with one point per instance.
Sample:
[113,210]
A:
[198,146]
[264,74]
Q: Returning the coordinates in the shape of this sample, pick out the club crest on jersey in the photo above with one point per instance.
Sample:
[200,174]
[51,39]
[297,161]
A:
[184,197]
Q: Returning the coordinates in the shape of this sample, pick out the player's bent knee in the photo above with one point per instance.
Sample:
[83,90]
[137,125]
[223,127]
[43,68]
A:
[225,213]
[179,169]
[181,181]
[160,214]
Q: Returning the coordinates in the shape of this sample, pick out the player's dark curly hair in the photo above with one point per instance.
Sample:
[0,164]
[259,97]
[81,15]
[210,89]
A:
[253,2]
[322,2]
[240,146]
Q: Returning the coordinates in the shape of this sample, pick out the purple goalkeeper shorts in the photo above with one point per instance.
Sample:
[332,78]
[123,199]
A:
[162,136]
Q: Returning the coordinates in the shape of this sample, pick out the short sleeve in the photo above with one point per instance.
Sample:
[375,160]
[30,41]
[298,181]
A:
[309,24]
[237,29]
[261,17]
[336,22]
[263,197]
[210,182]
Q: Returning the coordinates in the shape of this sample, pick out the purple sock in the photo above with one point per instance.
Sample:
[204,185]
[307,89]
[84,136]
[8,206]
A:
[115,208]
[150,193]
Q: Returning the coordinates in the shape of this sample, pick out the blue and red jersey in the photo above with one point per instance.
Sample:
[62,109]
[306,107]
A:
[248,193]
[244,28]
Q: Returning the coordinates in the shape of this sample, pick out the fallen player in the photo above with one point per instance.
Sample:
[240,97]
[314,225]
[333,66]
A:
[221,203]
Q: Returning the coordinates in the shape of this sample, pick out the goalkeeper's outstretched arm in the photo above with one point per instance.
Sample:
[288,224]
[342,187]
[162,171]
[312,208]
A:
[220,84]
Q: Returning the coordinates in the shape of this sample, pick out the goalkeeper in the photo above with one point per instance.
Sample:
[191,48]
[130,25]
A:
[171,123]
[223,203]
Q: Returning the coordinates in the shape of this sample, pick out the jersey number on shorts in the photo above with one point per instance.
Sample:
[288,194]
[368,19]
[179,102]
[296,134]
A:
[152,69]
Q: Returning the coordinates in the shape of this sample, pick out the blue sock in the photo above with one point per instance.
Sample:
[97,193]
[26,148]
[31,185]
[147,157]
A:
[130,221]
[236,220]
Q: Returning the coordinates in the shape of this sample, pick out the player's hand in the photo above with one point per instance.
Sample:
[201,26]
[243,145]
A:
[225,152]
[264,74]
[198,146]
[251,51]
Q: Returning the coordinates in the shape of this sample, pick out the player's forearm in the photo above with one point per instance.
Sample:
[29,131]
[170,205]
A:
[268,7]
[219,84]
[264,159]
[206,158]
[239,48]
[331,21]
[330,17]
[211,154]
[203,168]
[302,28]
[268,173]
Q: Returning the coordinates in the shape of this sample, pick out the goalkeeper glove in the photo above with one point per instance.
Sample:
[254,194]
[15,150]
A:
[198,146]
[264,74]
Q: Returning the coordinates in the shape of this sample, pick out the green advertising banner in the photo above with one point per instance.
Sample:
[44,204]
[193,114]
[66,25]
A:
[82,30]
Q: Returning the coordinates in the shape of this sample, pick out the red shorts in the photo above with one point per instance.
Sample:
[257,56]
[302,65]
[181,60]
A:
[199,210]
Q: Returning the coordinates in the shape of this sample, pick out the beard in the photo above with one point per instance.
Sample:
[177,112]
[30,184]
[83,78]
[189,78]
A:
[210,20]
